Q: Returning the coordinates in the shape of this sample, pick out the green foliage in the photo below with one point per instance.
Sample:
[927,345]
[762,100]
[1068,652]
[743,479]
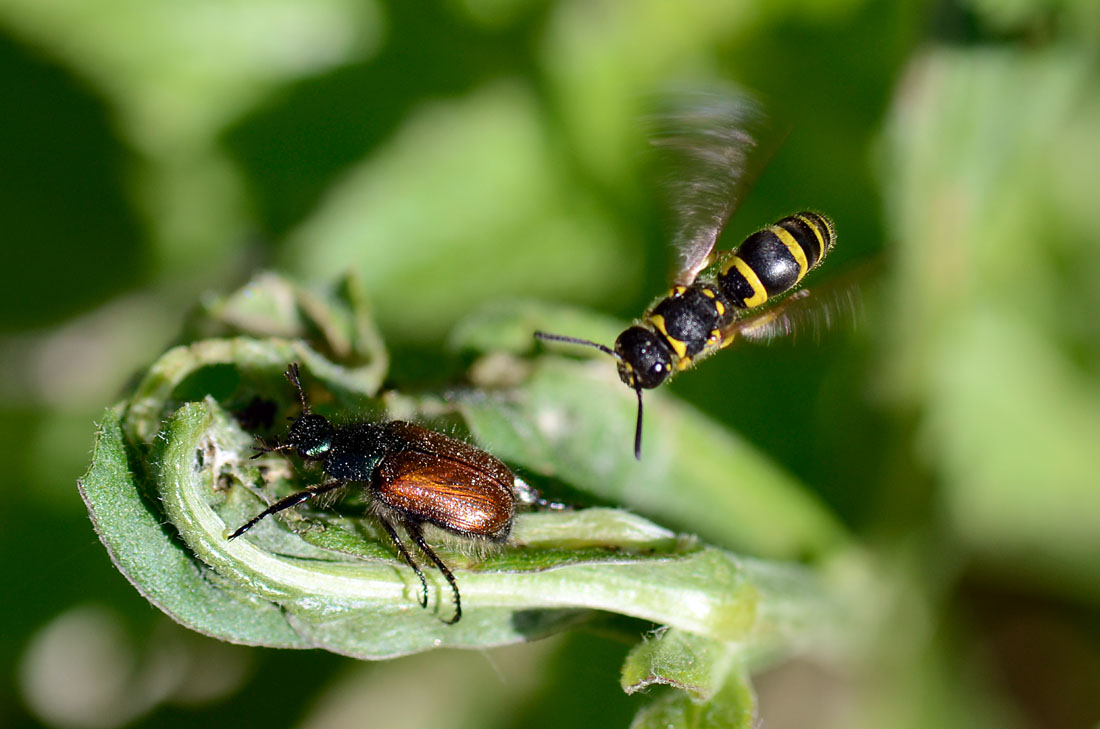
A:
[686,661]
[997,346]
[152,559]
[465,159]
[732,706]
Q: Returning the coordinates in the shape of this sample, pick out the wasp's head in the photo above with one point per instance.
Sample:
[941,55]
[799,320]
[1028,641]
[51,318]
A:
[644,359]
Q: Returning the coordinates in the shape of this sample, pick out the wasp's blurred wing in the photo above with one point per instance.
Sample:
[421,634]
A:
[836,303]
[704,140]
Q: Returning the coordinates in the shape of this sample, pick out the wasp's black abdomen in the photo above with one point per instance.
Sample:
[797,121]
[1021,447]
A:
[771,260]
[774,260]
[805,228]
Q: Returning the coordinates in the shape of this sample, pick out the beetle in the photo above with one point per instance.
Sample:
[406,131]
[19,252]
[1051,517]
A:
[413,476]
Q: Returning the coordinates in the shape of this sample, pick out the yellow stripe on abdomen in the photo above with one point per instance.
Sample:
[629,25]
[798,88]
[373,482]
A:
[759,293]
[793,246]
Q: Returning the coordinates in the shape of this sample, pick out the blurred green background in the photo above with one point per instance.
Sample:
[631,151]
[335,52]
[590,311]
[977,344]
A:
[460,153]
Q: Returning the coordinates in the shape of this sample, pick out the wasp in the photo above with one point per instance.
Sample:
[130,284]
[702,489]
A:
[413,476]
[716,298]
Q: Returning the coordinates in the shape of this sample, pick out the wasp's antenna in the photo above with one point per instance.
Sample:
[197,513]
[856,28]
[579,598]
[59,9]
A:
[638,427]
[292,375]
[573,340]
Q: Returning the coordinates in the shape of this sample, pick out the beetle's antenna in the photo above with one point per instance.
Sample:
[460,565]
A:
[292,375]
[573,340]
[263,448]
[638,427]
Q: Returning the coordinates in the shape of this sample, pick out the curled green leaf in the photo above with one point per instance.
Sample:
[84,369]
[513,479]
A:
[361,601]
[686,661]
[733,706]
[172,477]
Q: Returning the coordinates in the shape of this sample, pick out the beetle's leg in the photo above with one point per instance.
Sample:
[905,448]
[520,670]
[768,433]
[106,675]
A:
[414,531]
[289,501]
[406,556]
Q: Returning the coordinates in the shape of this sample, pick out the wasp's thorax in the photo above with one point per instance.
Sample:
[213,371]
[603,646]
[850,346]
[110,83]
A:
[644,359]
